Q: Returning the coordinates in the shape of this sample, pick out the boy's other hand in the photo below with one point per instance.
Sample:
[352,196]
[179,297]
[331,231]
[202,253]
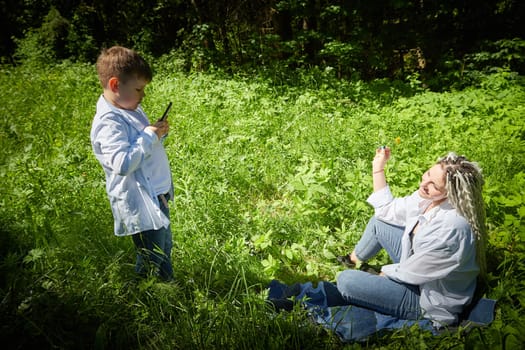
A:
[160,128]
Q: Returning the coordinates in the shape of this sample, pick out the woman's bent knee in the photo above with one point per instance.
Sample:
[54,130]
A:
[347,279]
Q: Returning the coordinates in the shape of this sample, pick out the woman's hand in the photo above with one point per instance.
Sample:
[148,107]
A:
[378,168]
[381,158]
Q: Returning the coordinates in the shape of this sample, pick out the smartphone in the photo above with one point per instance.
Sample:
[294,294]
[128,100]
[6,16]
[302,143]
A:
[165,115]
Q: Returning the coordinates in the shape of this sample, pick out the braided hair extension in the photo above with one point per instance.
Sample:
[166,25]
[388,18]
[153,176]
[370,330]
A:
[464,183]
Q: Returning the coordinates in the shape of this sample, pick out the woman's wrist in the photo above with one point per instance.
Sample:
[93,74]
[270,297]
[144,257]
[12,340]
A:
[377,171]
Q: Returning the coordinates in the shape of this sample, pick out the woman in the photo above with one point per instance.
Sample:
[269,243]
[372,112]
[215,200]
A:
[435,238]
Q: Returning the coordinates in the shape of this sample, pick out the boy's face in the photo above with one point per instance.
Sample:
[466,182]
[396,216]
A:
[130,93]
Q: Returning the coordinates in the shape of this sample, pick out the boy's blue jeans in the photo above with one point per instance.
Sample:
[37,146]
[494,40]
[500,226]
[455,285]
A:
[154,250]
[374,292]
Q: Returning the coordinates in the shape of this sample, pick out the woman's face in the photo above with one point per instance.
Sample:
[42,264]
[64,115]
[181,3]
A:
[432,184]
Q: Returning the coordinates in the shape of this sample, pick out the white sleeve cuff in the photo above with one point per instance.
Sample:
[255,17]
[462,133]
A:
[153,136]
[381,197]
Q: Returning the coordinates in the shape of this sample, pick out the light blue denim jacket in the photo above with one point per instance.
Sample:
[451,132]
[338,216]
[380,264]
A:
[121,145]
[441,259]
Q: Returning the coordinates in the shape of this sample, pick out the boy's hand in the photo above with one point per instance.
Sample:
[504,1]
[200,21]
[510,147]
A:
[160,128]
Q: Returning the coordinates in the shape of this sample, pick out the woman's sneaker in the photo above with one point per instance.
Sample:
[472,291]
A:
[345,260]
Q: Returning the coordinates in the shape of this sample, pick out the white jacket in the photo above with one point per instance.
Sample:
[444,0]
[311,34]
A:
[125,149]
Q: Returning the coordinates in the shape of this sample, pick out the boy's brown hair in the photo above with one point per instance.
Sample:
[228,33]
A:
[123,63]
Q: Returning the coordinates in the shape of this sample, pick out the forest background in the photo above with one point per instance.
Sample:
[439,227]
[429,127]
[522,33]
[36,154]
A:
[358,39]
[278,106]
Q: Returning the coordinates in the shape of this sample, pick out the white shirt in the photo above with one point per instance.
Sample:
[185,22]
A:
[441,258]
[155,164]
[136,167]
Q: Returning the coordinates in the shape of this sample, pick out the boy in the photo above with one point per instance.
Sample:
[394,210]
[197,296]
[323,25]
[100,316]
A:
[138,178]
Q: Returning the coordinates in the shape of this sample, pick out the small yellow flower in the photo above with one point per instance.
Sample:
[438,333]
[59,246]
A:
[397,140]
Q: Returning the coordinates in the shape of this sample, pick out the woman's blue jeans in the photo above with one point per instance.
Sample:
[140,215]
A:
[154,250]
[375,292]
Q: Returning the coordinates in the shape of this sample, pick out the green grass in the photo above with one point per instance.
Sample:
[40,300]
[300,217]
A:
[271,178]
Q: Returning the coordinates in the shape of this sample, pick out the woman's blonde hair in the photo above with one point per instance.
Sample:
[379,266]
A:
[464,183]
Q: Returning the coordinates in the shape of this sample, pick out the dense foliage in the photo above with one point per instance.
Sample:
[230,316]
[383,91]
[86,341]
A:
[271,174]
[367,39]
